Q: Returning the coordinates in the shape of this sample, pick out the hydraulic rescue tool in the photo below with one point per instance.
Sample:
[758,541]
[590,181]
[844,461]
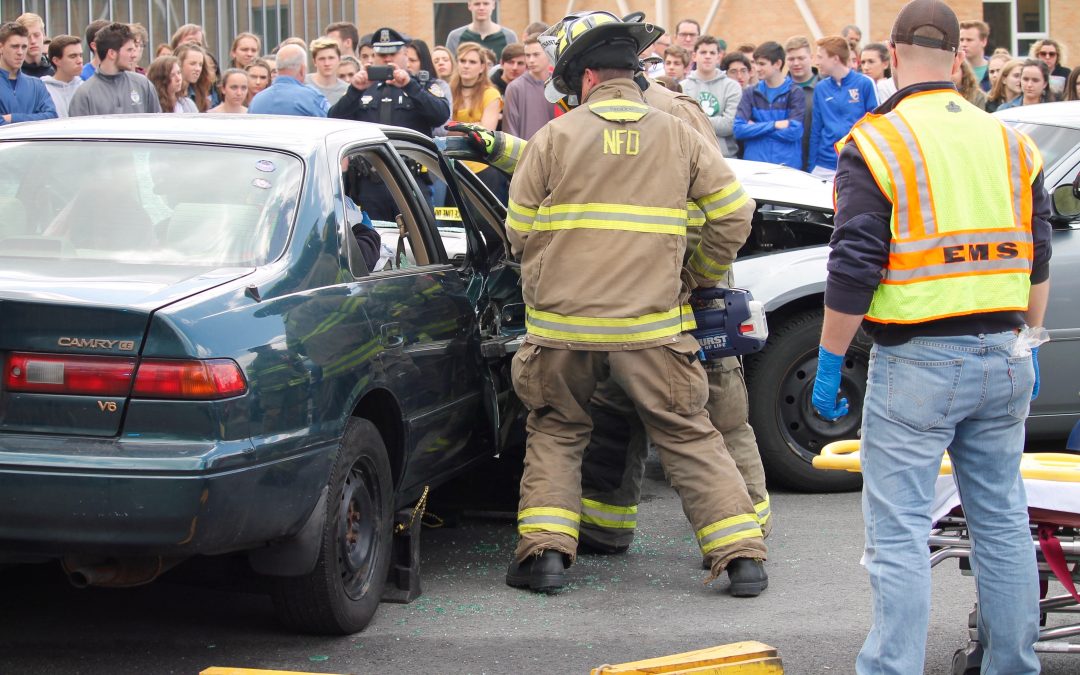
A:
[729,322]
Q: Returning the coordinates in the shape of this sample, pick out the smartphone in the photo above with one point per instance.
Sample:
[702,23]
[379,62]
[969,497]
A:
[380,73]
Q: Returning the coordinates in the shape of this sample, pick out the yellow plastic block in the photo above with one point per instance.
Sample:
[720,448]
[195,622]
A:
[228,670]
[767,666]
[756,657]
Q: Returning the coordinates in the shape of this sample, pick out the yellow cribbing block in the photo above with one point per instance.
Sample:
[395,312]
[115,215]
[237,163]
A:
[744,658]
[227,670]
[766,666]
[1056,466]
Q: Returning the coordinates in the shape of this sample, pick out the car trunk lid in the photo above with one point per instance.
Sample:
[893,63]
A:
[70,335]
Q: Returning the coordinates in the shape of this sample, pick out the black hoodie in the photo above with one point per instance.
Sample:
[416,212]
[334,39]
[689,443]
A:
[39,69]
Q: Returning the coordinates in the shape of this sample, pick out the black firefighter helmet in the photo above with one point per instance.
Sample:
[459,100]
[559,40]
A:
[593,40]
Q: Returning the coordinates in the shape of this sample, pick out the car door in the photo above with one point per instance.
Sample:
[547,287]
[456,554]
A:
[467,213]
[420,312]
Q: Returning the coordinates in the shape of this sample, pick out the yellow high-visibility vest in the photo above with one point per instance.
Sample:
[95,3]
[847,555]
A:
[960,189]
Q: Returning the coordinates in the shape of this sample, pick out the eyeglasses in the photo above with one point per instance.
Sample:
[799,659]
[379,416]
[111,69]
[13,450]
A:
[687,34]
[1044,53]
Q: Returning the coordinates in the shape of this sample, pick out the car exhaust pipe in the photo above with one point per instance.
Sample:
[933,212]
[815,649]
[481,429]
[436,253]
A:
[114,572]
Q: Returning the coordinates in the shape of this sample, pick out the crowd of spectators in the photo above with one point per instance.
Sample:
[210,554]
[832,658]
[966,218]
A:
[784,102]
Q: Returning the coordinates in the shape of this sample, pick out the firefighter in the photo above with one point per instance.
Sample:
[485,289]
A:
[614,461]
[601,239]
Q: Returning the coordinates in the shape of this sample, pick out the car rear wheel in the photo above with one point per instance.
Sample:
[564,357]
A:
[341,594]
[780,382]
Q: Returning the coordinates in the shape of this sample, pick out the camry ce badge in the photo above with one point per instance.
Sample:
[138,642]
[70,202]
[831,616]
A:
[97,343]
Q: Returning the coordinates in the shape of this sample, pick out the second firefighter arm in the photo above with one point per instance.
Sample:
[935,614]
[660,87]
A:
[528,189]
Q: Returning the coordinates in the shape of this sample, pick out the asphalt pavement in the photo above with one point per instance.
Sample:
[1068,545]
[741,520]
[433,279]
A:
[647,603]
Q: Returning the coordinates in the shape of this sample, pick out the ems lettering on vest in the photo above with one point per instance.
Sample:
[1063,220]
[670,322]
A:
[621,141]
[1005,250]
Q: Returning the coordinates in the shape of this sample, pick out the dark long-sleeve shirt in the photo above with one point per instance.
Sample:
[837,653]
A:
[412,106]
[860,248]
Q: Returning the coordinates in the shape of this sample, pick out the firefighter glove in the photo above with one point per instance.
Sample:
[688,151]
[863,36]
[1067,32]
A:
[827,386]
[481,139]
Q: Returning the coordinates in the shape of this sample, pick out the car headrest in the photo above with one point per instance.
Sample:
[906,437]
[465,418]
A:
[212,232]
[12,218]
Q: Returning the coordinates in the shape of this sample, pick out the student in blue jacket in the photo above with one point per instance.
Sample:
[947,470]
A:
[769,121]
[841,97]
[22,98]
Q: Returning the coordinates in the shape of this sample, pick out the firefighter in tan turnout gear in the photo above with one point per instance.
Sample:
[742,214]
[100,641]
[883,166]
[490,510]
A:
[613,464]
[601,240]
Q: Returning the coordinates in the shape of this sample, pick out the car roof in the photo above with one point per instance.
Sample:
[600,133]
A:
[1060,114]
[777,184]
[285,132]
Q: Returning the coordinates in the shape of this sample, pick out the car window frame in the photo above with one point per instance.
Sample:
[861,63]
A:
[409,193]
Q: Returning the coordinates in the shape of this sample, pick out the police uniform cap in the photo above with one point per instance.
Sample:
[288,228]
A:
[927,23]
[387,41]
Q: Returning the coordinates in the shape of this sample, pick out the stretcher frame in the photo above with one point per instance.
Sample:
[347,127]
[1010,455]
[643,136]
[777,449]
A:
[949,539]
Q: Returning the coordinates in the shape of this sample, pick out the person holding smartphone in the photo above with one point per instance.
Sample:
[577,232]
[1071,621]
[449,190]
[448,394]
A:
[386,93]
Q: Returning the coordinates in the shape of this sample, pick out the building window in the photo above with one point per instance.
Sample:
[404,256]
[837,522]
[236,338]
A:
[271,23]
[1015,24]
[451,14]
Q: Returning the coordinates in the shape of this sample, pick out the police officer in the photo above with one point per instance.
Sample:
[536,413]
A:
[943,268]
[400,100]
[584,185]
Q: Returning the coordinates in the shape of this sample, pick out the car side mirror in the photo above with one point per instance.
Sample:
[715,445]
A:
[1067,201]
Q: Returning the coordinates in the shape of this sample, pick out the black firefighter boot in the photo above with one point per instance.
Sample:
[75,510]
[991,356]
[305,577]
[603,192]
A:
[543,573]
[748,577]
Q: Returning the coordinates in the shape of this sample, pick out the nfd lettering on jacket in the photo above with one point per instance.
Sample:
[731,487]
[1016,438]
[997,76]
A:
[622,141]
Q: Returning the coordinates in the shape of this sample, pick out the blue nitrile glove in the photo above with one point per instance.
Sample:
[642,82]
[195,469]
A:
[1035,363]
[827,386]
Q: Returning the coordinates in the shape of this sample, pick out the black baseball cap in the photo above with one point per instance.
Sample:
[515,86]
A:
[935,22]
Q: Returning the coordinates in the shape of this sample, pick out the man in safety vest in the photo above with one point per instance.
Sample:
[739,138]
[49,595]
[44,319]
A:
[948,272]
[591,221]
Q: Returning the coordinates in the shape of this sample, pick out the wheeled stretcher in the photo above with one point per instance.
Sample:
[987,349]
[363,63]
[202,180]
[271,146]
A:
[1052,482]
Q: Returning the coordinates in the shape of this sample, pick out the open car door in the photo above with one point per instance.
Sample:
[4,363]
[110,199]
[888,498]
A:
[470,220]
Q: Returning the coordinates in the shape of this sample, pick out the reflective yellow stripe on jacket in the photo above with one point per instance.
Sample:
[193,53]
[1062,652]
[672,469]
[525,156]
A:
[712,207]
[548,519]
[519,217]
[610,330]
[506,152]
[625,217]
[729,531]
[608,516]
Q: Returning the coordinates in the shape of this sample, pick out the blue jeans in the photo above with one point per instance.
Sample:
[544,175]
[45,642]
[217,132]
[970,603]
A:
[970,395]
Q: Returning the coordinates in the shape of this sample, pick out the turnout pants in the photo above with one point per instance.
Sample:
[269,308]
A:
[614,461]
[668,388]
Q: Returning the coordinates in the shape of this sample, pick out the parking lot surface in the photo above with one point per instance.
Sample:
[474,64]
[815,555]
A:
[647,603]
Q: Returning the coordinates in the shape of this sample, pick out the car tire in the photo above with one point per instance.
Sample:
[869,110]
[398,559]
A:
[780,382]
[341,594]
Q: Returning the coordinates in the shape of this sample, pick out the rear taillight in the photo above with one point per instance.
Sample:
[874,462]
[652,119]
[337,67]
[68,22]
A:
[216,378]
[62,374]
[112,376]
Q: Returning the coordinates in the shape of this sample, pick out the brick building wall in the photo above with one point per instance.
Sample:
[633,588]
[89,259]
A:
[1064,25]
[735,21]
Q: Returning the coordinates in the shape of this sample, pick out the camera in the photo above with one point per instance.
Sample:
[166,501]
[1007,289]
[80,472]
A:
[380,73]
